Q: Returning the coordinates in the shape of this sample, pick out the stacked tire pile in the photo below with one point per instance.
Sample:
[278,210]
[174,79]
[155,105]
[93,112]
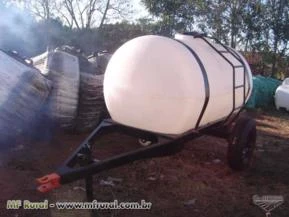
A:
[91,106]
[62,69]
[76,101]
[23,96]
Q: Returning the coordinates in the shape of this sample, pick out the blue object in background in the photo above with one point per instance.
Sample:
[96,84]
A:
[263,92]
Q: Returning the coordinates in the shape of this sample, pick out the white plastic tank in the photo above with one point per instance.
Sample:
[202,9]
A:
[282,95]
[155,83]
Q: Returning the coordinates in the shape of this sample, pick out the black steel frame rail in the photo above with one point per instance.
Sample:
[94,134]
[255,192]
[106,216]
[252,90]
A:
[242,65]
[206,82]
[234,72]
[82,165]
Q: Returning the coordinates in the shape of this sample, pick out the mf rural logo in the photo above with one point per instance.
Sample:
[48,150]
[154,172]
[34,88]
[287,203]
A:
[268,202]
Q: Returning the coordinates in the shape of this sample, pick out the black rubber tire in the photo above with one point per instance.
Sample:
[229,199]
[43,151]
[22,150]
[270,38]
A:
[242,143]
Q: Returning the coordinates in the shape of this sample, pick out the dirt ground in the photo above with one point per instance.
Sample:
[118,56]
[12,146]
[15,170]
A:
[194,182]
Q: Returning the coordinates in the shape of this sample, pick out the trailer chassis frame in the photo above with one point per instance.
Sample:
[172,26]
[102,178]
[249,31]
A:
[82,165]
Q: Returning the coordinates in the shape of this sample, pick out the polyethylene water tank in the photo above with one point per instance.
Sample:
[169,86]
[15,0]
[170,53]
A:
[161,84]
[282,95]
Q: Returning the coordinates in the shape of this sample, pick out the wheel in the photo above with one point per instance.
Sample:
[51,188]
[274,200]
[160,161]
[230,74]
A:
[144,142]
[242,143]
[147,140]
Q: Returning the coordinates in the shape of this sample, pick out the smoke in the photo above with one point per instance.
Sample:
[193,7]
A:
[15,29]
[23,95]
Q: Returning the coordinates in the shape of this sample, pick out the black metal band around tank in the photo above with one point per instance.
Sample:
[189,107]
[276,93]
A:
[225,49]
[206,82]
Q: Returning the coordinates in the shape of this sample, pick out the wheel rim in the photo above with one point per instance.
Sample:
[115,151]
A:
[144,142]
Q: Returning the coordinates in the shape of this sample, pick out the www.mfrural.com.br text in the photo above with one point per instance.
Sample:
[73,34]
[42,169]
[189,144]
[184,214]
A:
[26,204]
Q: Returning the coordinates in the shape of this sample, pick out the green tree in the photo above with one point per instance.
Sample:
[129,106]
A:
[174,15]
[254,16]
[277,20]
[260,26]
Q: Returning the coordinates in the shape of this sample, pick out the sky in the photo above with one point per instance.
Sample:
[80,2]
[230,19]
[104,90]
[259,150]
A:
[139,9]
